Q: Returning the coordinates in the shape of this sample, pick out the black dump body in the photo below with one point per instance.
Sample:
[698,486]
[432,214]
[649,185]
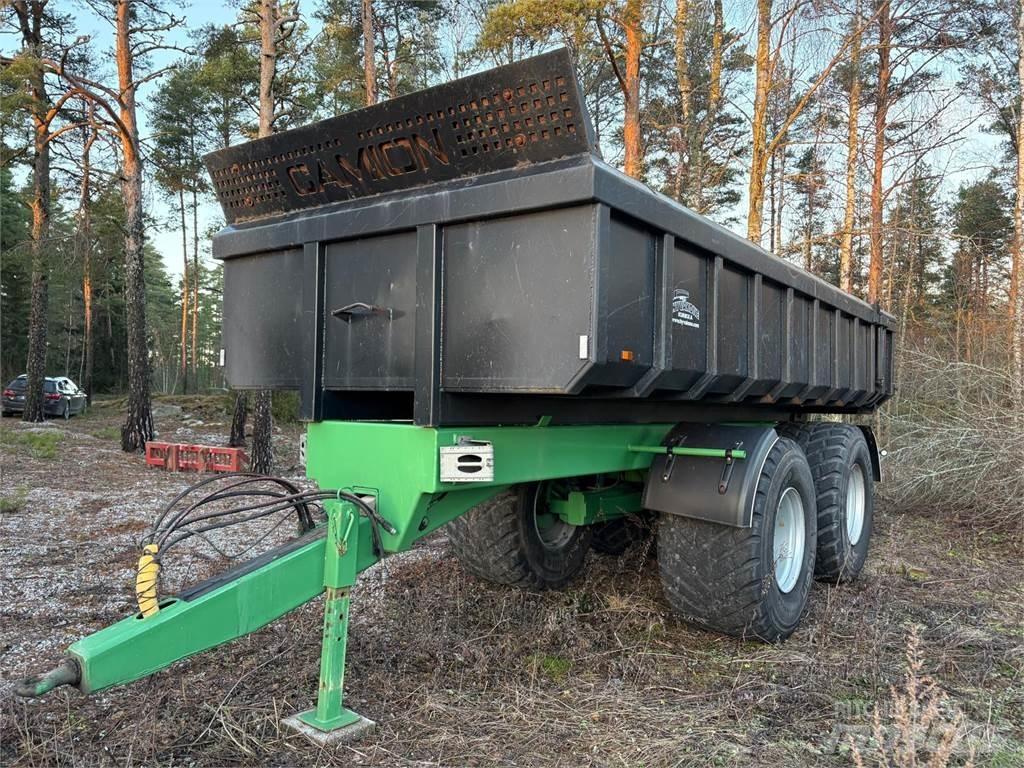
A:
[462,255]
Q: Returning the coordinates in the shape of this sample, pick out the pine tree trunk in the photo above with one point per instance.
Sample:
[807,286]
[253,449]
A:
[1017,267]
[852,137]
[84,238]
[683,185]
[138,426]
[237,439]
[759,155]
[184,294]
[633,27]
[261,459]
[715,75]
[89,342]
[369,54]
[699,146]
[877,262]
[262,456]
[196,275]
[35,365]
[268,65]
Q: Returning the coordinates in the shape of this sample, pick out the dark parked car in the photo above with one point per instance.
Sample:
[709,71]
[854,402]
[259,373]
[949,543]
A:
[61,397]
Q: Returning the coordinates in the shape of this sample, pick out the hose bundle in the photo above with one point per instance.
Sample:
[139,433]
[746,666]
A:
[237,498]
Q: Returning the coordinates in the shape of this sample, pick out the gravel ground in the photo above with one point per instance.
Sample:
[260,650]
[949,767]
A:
[458,672]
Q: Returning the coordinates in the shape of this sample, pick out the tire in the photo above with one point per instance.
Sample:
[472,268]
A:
[500,541]
[726,579]
[616,536]
[66,412]
[840,463]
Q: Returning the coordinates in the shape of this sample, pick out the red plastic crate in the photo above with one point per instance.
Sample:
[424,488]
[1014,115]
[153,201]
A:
[163,455]
[225,459]
[180,457]
[192,457]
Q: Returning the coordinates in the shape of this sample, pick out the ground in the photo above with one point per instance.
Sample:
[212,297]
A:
[458,672]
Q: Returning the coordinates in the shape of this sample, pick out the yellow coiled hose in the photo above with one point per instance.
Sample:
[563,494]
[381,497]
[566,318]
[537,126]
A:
[146,579]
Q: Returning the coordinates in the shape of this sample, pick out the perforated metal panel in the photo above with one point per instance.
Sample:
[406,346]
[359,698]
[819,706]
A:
[525,112]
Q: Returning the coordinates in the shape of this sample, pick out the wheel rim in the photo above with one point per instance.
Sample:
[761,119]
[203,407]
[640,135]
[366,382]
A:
[552,532]
[856,500]
[788,540]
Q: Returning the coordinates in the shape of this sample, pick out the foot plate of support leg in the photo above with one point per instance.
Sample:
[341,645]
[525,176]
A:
[346,727]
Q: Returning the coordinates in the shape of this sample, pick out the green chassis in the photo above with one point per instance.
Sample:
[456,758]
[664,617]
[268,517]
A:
[398,466]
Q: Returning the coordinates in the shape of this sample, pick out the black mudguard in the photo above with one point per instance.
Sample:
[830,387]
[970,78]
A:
[719,490]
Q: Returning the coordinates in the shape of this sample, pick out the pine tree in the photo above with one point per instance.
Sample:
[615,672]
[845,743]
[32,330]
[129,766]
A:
[694,152]
[176,113]
[983,227]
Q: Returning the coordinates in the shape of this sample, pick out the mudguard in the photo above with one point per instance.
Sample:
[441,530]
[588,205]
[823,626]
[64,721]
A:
[719,490]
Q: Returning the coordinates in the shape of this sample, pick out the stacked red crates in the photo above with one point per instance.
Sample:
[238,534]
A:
[180,457]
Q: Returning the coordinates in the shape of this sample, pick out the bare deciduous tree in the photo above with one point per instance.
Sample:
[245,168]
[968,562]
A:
[852,145]
[766,61]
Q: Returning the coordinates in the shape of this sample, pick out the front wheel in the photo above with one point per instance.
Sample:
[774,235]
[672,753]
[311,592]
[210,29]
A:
[513,538]
[747,581]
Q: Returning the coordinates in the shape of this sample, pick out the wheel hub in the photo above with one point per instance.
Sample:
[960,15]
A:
[788,540]
[553,532]
[856,495]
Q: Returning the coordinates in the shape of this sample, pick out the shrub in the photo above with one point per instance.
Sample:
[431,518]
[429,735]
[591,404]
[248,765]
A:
[955,442]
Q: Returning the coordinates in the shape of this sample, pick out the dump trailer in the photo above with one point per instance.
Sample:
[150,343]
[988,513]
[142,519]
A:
[494,331]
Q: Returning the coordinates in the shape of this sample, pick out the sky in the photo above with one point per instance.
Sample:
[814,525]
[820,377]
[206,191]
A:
[960,163]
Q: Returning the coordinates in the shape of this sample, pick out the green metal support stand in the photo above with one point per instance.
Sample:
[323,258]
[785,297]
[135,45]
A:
[340,570]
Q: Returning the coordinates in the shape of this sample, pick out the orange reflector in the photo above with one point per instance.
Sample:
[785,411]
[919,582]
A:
[627,355]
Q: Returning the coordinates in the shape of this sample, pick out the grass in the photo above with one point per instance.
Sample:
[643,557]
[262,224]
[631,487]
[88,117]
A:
[555,667]
[38,443]
[14,501]
[108,433]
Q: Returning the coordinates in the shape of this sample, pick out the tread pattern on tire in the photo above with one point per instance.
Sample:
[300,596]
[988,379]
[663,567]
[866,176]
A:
[710,572]
[827,446]
[486,540]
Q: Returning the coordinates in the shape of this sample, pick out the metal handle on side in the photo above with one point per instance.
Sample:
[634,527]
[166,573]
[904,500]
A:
[359,309]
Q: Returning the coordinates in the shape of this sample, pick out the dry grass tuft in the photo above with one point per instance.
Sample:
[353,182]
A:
[923,726]
[955,442]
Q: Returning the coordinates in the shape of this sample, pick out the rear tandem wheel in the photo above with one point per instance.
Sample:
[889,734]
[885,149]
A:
[840,463]
[747,581]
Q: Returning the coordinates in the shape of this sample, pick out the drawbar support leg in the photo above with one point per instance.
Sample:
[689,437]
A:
[330,721]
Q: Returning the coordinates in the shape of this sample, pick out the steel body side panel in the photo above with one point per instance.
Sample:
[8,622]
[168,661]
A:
[516,267]
[262,320]
[518,295]
[376,349]
[554,184]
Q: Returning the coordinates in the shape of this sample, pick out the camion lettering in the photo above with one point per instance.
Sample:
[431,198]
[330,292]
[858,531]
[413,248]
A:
[400,156]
